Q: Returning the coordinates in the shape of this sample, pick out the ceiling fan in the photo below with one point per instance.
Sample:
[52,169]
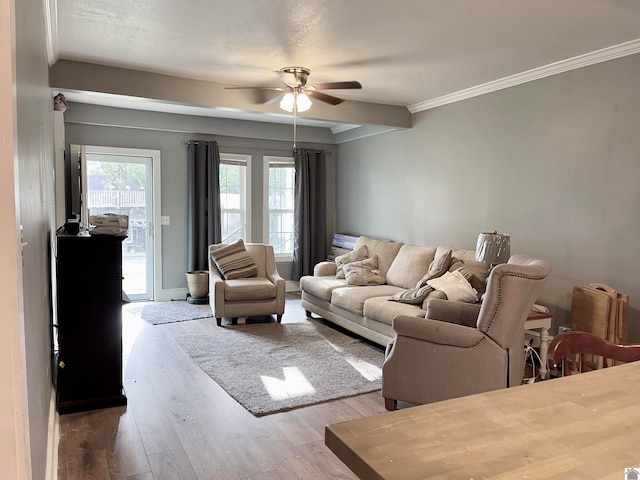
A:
[295,93]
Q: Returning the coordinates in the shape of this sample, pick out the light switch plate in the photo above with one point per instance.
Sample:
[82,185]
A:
[165,220]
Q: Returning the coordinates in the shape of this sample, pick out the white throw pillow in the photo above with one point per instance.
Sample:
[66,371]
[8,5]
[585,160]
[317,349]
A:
[350,257]
[455,287]
[364,272]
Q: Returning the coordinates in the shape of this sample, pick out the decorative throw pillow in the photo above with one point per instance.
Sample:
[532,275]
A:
[438,267]
[353,256]
[364,272]
[476,282]
[455,287]
[234,261]
[440,263]
[412,296]
[462,268]
[366,264]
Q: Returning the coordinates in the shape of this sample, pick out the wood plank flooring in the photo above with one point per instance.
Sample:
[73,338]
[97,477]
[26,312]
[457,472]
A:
[179,424]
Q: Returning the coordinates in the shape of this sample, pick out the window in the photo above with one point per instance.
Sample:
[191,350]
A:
[279,187]
[235,196]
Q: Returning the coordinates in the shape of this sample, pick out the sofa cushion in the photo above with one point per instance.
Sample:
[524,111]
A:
[386,251]
[455,287]
[321,287]
[382,310]
[249,289]
[364,272]
[357,254]
[353,298]
[409,266]
[234,261]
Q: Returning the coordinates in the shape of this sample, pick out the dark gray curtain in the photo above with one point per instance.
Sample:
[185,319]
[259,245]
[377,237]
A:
[310,239]
[203,215]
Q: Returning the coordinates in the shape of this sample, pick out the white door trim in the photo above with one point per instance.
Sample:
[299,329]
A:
[157,207]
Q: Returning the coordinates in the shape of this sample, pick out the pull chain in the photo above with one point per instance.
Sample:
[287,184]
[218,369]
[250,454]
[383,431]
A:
[295,111]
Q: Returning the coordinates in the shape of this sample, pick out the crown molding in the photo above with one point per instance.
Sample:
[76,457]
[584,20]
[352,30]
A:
[606,54]
[343,127]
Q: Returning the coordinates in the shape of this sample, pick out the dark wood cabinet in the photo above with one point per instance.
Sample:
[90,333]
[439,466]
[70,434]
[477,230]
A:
[88,361]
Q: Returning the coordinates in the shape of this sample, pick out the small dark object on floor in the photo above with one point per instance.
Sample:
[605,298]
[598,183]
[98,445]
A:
[197,301]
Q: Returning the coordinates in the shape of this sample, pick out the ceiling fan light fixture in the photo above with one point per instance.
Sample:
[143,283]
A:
[304,103]
[301,100]
[287,102]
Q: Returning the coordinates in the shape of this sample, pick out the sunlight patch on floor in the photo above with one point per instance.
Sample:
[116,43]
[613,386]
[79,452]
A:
[337,348]
[131,326]
[366,369]
[294,385]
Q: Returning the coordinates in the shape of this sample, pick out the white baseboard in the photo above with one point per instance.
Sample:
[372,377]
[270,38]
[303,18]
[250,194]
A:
[169,294]
[53,439]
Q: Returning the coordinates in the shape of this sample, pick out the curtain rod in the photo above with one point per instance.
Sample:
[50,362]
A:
[257,149]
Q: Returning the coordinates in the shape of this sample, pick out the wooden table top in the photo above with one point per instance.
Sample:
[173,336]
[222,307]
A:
[584,427]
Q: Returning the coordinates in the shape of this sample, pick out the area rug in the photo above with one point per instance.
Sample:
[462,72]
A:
[270,368]
[157,313]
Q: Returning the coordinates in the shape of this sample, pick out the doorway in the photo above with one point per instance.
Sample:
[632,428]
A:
[124,181]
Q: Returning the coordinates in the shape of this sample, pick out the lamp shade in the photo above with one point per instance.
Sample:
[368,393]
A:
[301,101]
[493,248]
[287,102]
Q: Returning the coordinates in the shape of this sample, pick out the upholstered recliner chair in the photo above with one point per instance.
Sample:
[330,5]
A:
[459,348]
[260,292]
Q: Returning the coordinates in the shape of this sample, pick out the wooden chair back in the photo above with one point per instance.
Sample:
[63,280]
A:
[569,352]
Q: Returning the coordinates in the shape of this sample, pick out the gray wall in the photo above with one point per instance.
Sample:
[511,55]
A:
[34,193]
[555,163]
[169,134]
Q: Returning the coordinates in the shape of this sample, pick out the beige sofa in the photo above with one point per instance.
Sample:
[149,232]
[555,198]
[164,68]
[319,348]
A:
[366,309]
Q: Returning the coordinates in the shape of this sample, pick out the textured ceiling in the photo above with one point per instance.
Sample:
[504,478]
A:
[403,52]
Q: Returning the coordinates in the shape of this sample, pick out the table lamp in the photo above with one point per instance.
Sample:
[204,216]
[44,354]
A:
[493,248]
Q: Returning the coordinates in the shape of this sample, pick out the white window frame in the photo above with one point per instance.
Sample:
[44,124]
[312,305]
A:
[237,158]
[268,161]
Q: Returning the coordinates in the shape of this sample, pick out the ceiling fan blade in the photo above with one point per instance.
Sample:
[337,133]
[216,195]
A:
[273,100]
[277,89]
[323,97]
[337,85]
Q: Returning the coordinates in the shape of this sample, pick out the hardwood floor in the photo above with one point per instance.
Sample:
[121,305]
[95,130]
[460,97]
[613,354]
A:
[179,424]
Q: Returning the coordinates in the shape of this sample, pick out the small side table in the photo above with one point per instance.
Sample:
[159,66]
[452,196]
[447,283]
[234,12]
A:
[541,321]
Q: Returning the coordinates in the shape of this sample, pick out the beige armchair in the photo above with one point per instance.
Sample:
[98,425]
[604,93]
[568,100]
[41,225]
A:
[460,349]
[245,297]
